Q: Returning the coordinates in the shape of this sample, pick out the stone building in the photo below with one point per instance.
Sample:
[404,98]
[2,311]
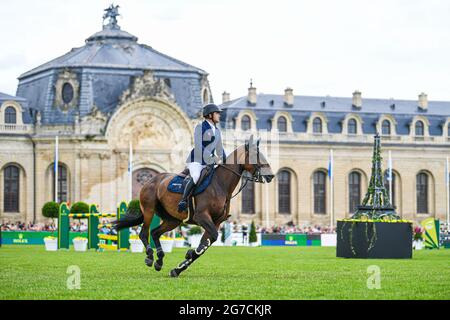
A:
[112,91]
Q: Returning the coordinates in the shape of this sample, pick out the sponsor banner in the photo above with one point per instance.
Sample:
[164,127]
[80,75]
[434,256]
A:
[33,237]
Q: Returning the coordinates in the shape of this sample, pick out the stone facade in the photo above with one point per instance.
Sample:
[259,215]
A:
[154,103]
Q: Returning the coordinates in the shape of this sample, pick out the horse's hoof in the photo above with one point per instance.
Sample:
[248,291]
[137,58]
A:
[158,265]
[148,262]
[173,273]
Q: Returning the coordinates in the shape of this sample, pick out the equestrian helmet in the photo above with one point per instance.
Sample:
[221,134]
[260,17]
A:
[210,108]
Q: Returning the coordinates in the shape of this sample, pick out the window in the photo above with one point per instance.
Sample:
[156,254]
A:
[319,192]
[422,192]
[386,185]
[248,198]
[284,192]
[282,124]
[10,115]
[354,188]
[419,128]
[205,96]
[317,125]
[386,127]
[351,126]
[11,192]
[168,82]
[67,93]
[62,183]
[246,123]
[448,130]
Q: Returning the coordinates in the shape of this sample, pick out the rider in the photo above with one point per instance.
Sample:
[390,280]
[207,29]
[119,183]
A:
[207,141]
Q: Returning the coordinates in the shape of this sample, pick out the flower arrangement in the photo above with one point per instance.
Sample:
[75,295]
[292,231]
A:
[195,230]
[418,234]
[166,238]
[80,239]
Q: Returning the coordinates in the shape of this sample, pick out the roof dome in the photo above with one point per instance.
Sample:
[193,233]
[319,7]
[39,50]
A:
[115,48]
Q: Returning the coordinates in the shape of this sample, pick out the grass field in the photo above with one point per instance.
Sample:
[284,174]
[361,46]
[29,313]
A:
[29,272]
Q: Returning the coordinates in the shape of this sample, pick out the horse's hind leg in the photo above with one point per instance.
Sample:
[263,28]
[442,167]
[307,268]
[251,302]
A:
[144,235]
[165,226]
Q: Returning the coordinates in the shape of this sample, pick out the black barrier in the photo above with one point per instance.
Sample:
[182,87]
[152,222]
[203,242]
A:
[380,240]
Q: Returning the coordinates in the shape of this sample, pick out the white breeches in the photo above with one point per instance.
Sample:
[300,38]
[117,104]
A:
[195,169]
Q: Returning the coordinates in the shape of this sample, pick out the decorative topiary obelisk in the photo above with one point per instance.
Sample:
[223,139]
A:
[376,203]
[375,230]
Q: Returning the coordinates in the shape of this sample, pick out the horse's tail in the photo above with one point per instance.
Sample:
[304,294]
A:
[132,217]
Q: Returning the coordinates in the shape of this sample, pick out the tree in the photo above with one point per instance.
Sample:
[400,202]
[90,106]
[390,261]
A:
[252,237]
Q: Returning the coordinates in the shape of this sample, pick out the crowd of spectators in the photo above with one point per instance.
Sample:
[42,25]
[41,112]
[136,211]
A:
[237,226]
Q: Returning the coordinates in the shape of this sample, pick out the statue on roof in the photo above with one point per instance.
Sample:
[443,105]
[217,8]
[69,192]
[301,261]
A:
[112,13]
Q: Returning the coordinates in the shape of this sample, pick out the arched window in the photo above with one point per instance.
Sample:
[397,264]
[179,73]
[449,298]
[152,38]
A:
[11,176]
[448,130]
[284,192]
[422,192]
[317,125]
[354,189]
[246,123]
[386,185]
[320,192]
[351,126]
[248,198]
[420,130]
[282,124]
[386,127]
[10,115]
[62,183]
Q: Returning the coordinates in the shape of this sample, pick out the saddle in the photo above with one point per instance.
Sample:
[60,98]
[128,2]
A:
[178,184]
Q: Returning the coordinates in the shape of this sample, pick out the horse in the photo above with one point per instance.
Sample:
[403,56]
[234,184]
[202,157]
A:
[212,206]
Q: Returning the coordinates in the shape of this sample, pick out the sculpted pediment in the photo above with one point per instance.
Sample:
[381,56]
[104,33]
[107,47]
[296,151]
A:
[146,86]
[93,123]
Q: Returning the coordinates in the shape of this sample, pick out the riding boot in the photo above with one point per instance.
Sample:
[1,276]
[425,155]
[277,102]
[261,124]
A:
[182,206]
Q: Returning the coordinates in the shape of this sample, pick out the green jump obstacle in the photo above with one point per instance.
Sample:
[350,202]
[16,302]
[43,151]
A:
[122,238]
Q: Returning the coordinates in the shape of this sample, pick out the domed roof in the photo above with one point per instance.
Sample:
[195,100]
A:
[115,48]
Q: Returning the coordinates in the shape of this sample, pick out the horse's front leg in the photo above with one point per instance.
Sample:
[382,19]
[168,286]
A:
[192,255]
[208,238]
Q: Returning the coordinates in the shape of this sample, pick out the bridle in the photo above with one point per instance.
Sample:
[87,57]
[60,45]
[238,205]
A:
[255,177]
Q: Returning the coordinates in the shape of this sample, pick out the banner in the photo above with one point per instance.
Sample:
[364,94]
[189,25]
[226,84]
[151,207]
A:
[431,234]
[33,237]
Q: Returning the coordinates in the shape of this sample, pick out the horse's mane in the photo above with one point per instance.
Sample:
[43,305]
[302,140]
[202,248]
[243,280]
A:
[236,155]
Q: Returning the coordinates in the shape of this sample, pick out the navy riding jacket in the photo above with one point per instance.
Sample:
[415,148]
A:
[206,143]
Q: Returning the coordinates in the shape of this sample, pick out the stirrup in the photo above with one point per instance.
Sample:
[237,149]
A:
[182,206]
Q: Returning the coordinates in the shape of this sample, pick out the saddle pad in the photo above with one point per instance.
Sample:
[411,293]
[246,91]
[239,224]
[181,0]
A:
[176,184]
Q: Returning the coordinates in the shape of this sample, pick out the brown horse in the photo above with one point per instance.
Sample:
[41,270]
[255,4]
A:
[212,205]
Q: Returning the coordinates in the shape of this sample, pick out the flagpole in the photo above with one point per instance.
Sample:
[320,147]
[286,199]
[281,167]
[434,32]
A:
[390,178]
[56,167]
[130,174]
[267,204]
[331,190]
[447,180]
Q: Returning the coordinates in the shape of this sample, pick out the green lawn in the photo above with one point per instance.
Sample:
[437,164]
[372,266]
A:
[29,272]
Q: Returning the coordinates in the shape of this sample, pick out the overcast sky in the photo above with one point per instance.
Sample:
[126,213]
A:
[384,48]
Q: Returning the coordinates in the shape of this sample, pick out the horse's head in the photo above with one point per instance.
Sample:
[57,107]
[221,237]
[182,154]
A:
[256,163]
